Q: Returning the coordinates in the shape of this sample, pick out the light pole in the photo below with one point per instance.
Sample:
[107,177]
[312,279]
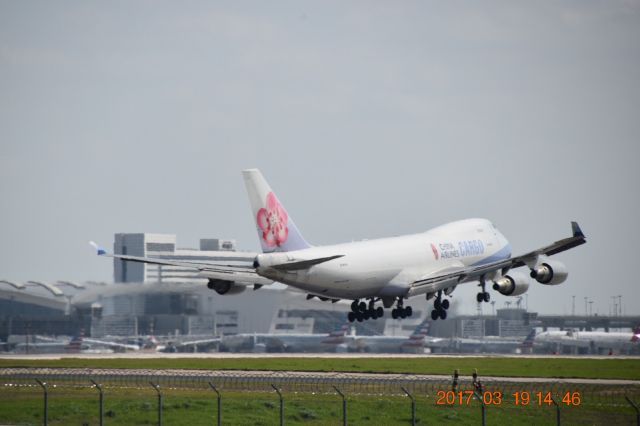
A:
[585,306]
[573,305]
[613,310]
[620,303]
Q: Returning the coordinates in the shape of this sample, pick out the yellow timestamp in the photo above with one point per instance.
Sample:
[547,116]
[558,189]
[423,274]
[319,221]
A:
[519,398]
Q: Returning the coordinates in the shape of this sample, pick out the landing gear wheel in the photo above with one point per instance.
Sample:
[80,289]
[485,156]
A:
[437,304]
[359,316]
[351,316]
[394,313]
[408,310]
[365,315]
[434,315]
[486,296]
[362,306]
[372,313]
[354,305]
[480,297]
[445,304]
[443,314]
[380,311]
[402,313]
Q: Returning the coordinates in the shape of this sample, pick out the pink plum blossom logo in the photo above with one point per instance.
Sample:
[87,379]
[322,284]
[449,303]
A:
[273,222]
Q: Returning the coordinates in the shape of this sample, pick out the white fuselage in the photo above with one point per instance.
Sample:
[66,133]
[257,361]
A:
[387,266]
[585,339]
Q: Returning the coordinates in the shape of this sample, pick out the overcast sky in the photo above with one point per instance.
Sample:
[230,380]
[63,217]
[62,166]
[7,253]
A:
[369,119]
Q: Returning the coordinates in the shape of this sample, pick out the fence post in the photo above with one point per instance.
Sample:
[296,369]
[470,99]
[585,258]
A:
[478,392]
[482,407]
[281,405]
[557,411]
[219,403]
[413,406]
[456,375]
[635,407]
[157,388]
[101,401]
[46,400]
[344,406]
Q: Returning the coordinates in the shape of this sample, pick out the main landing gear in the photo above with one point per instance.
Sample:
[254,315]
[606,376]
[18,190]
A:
[360,311]
[440,307]
[484,295]
[400,311]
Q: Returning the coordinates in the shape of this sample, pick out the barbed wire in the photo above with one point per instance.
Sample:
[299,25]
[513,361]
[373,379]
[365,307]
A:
[590,392]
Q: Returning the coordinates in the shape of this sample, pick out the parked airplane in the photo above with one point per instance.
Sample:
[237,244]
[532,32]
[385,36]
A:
[286,342]
[593,341]
[390,270]
[416,342]
[493,344]
[77,344]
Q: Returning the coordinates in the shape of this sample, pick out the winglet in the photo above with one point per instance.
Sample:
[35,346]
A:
[99,249]
[577,232]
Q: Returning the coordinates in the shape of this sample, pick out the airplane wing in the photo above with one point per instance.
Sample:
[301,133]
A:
[197,342]
[472,273]
[112,344]
[241,274]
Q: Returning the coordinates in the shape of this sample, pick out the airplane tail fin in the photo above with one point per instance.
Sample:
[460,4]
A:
[528,341]
[420,332]
[276,229]
[75,344]
[337,336]
[422,329]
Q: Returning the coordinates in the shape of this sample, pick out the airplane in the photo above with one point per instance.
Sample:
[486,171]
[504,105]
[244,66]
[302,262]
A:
[287,342]
[76,344]
[593,341]
[416,342]
[390,270]
[493,344]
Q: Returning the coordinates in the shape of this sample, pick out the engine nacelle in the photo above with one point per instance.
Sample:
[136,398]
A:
[225,287]
[514,284]
[267,260]
[550,272]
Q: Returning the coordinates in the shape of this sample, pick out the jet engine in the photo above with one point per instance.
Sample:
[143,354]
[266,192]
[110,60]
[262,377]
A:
[550,272]
[225,287]
[514,284]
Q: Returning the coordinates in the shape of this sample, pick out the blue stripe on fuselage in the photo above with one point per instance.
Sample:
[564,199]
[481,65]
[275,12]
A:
[502,254]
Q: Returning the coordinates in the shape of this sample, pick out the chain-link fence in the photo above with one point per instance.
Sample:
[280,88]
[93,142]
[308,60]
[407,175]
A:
[97,396]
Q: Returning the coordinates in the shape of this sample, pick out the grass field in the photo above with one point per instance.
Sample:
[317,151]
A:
[137,405]
[188,407]
[628,369]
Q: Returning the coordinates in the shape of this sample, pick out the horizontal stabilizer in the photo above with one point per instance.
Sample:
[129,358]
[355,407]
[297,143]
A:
[304,264]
